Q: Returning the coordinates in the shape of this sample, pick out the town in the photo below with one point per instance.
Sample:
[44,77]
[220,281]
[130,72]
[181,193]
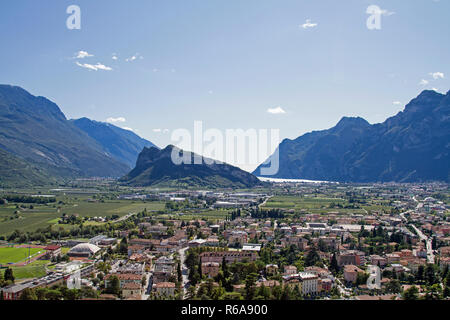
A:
[93,240]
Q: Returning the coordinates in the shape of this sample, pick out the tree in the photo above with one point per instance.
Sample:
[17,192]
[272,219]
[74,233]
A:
[312,258]
[226,272]
[334,267]
[430,275]
[179,273]
[114,285]
[9,275]
[411,294]
[394,286]
[28,294]
[420,273]
[250,287]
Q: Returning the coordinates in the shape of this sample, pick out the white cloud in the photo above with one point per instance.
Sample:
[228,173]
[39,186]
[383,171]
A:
[437,75]
[424,82]
[396,103]
[95,67]
[83,54]
[166,131]
[100,66]
[129,129]
[308,24]
[116,120]
[277,110]
[114,56]
[135,57]
[157,130]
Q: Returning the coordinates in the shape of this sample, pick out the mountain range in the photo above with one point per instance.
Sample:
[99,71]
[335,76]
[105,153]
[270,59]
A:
[34,130]
[155,167]
[412,146]
[39,145]
[123,145]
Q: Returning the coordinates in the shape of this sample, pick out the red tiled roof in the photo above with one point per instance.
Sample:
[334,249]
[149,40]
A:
[164,285]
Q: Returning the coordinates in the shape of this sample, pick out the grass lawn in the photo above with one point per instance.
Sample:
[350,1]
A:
[33,270]
[42,215]
[8,255]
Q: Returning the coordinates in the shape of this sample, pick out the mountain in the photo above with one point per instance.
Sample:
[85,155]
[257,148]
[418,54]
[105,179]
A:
[123,145]
[34,129]
[412,146]
[155,168]
[15,172]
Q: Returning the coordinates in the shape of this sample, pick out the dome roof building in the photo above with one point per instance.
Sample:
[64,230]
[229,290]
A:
[83,250]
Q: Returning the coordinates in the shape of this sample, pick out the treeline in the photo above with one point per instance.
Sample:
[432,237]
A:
[77,230]
[26,199]
[58,293]
[264,214]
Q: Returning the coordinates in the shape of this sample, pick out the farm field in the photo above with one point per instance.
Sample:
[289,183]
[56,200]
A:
[211,215]
[33,270]
[14,255]
[42,216]
[311,204]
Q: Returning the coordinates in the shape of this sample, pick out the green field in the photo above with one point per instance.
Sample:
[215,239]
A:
[41,216]
[14,255]
[34,270]
[309,204]
[211,215]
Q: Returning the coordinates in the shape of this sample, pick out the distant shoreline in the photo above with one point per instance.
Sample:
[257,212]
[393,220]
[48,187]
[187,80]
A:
[278,180]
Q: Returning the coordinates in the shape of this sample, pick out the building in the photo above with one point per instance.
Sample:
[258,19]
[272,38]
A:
[164,289]
[124,279]
[289,270]
[309,283]
[230,256]
[349,258]
[131,290]
[83,250]
[52,251]
[14,291]
[351,273]
[210,269]
[271,269]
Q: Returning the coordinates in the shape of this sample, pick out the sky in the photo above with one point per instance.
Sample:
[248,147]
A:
[154,66]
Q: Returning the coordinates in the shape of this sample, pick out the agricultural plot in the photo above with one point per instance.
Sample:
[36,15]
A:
[15,255]
[310,204]
[42,216]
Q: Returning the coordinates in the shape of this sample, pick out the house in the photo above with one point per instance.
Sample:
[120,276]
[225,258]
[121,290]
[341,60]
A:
[288,270]
[351,273]
[271,269]
[131,289]
[52,251]
[124,279]
[325,285]
[377,260]
[210,269]
[164,289]
[349,258]
[230,256]
[14,291]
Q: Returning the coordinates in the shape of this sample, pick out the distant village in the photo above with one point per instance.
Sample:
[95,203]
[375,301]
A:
[261,249]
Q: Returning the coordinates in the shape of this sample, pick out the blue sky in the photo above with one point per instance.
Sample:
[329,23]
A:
[226,62]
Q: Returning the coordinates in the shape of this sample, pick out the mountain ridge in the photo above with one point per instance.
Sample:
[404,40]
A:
[155,167]
[124,145]
[411,146]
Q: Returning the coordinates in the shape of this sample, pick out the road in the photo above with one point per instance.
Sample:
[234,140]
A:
[125,217]
[428,241]
[265,201]
[184,270]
